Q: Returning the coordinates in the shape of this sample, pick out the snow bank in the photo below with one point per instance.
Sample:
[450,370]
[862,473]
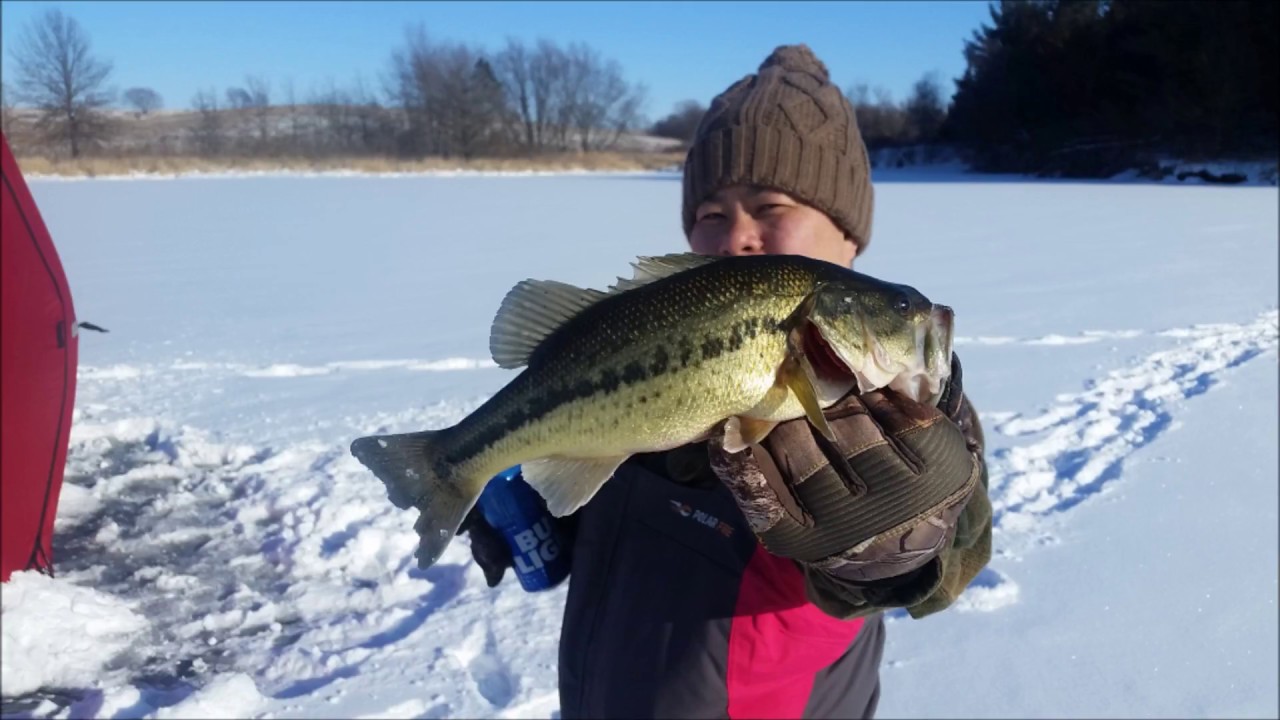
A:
[228,696]
[60,635]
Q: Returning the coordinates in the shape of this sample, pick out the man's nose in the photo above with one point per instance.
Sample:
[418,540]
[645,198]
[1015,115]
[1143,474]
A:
[742,236]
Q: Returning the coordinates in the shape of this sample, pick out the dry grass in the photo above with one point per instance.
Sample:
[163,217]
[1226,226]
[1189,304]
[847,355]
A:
[35,166]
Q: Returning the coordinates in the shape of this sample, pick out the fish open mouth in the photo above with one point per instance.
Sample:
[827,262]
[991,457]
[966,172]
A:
[920,375]
[826,363]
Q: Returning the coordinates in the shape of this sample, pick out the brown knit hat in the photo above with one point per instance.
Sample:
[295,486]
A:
[787,128]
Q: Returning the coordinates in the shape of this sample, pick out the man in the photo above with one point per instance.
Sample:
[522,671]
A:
[708,584]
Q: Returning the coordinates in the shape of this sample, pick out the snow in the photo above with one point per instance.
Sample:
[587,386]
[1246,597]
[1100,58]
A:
[1155,598]
[220,554]
[60,635]
[231,695]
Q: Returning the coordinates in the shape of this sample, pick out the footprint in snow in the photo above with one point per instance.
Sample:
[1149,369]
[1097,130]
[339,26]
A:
[1084,439]
[493,679]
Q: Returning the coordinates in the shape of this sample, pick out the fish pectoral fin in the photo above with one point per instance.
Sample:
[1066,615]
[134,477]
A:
[741,432]
[797,372]
[531,311]
[648,269]
[798,375]
[568,483]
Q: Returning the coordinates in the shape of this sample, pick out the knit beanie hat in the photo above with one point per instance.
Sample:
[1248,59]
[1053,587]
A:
[789,129]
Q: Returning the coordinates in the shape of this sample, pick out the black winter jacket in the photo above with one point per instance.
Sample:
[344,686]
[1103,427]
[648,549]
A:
[674,610]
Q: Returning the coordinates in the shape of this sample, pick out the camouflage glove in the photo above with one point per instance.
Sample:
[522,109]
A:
[871,512]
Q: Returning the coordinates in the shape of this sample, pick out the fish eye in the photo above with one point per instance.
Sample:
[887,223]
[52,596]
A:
[902,305]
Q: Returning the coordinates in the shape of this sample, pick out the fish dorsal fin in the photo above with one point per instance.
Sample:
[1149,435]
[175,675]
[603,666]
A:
[648,269]
[531,311]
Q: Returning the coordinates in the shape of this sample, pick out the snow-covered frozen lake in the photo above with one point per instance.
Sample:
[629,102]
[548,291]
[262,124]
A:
[220,553]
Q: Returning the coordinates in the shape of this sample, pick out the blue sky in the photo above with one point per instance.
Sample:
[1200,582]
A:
[678,50]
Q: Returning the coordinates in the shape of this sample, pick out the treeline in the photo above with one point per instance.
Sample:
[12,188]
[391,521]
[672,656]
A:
[883,122]
[1087,88]
[436,98]
[1062,87]
[1090,87]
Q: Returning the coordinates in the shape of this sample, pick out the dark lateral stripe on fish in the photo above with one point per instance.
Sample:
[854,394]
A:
[663,360]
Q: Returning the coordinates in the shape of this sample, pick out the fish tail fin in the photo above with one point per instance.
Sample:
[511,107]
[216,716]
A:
[407,464]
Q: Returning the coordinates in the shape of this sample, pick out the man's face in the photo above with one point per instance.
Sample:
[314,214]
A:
[747,220]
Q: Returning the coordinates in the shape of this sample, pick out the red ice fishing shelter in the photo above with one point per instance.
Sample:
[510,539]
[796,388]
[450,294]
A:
[38,344]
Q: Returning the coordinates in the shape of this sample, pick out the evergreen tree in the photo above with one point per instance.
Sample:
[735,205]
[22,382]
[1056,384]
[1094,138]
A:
[1087,87]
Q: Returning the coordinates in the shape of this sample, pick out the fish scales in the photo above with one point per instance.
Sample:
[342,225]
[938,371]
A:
[669,349]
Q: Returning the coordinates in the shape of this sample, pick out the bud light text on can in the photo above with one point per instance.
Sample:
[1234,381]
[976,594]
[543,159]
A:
[539,553]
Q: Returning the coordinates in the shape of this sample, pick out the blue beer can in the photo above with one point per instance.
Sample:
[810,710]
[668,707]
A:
[539,553]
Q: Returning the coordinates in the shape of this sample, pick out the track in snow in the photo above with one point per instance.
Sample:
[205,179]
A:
[1078,445]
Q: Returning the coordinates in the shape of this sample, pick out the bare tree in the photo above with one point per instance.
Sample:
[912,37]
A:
[143,100]
[511,67]
[351,120]
[412,70]
[336,127]
[376,129]
[568,78]
[260,95]
[529,78]
[60,78]
[547,69]
[475,98]
[451,97]
[682,123]
[209,131]
[293,117]
[8,113]
[251,105]
[238,98]
[926,110]
[881,121]
[567,97]
[596,102]
[859,95]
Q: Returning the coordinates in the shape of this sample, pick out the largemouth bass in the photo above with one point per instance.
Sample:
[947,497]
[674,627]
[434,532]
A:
[689,347]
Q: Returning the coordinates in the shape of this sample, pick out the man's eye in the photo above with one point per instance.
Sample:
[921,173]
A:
[713,215]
